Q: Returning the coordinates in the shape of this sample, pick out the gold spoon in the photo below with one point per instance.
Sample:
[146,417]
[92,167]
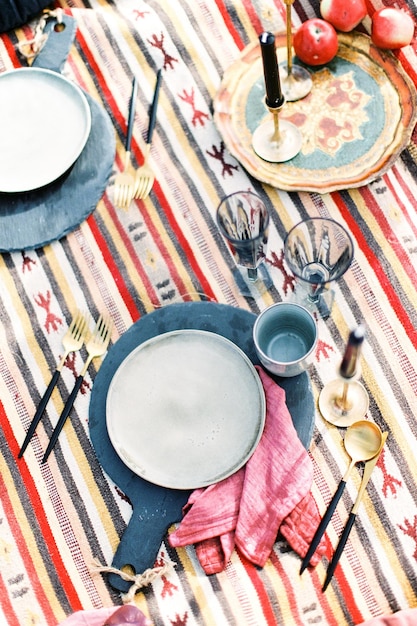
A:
[362,442]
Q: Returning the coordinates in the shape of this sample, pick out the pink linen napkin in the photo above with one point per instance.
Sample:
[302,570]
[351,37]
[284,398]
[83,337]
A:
[270,494]
[114,616]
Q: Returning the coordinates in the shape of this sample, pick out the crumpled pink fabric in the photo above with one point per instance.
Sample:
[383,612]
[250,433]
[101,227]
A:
[270,493]
[94,617]
[99,617]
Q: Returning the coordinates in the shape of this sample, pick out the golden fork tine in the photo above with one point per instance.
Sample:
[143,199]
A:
[124,187]
[139,189]
[72,341]
[145,188]
[124,184]
[96,346]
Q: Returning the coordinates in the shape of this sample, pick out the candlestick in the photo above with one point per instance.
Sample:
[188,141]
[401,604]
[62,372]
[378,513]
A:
[296,80]
[344,401]
[348,367]
[274,140]
[274,97]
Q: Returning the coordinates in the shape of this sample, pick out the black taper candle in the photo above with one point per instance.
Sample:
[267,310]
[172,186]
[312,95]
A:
[274,97]
[350,360]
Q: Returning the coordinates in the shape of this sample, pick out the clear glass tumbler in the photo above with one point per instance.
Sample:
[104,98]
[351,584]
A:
[318,251]
[243,220]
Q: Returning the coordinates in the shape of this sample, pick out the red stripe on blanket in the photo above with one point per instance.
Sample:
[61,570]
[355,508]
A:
[133,256]
[260,590]
[228,20]
[11,51]
[112,265]
[111,105]
[253,15]
[387,230]
[374,263]
[6,605]
[30,569]
[348,598]
[406,192]
[167,209]
[289,591]
[326,606]
[32,492]
[107,94]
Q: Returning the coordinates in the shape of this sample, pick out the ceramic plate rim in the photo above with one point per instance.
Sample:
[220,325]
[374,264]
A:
[193,482]
[20,183]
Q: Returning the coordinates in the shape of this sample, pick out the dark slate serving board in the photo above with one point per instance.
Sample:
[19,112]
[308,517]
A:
[155,508]
[35,218]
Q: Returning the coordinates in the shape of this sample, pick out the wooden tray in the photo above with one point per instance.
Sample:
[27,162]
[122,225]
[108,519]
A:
[356,120]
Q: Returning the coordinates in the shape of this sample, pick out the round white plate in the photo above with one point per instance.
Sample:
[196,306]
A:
[185,409]
[45,122]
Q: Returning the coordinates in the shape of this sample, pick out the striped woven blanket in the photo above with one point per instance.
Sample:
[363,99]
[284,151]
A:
[62,521]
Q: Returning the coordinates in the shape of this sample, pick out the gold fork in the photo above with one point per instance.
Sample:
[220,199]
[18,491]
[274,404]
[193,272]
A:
[96,346]
[144,175]
[124,184]
[72,341]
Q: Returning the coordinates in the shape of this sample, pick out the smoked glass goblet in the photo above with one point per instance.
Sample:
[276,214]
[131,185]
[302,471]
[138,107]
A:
[318,251]
[243,220]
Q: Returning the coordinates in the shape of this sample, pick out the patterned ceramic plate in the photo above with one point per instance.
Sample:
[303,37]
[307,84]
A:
[354,123]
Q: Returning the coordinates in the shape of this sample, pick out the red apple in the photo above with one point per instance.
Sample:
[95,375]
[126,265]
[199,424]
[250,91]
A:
[344,15]
[392,28]
[315,42]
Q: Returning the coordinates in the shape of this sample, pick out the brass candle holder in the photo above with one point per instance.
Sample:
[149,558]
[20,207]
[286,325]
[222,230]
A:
[345,400]
[296,81]
[277,140]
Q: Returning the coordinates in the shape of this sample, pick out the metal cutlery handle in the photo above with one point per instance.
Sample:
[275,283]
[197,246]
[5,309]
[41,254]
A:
[323,525]
[152,118]
[39,411]
[131,116]
[63,417]
[339,549]
[369,467]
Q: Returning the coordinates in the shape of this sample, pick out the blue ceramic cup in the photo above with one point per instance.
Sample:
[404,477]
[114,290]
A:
[285,336]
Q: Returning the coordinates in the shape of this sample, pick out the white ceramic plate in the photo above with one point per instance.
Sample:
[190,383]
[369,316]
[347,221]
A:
[45,122]
[185,409]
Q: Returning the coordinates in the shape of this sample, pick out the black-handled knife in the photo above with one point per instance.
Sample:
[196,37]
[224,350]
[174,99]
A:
[323,525]
[62,418]
[154,106]
[39,411]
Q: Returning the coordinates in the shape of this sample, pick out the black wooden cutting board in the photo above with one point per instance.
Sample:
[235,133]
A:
[155,508]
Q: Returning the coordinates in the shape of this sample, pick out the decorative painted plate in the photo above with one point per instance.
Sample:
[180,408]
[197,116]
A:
[354,123]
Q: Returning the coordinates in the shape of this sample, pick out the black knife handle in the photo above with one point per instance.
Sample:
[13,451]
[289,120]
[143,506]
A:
[339,550]
[39,412]
[63,417]
[131,115]
[323,525]
[152,118]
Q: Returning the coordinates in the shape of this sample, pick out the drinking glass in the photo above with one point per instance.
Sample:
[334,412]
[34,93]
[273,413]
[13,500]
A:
[318,251]
[243,220]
